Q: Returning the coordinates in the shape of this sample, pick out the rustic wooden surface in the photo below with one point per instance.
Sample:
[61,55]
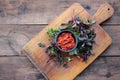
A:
[19,24]
[102,40]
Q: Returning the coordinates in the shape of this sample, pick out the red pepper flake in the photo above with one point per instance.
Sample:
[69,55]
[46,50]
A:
[66,41]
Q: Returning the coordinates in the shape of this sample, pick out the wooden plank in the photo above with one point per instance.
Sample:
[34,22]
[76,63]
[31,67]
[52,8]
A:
[38,54]
[13,37]
[39,11]
[19,68]
[105,68]
[26,32]
[114,32]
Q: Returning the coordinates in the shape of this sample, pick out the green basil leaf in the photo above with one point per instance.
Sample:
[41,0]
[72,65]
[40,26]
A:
[50,32]
[58,29]
[93,21]
[52,51]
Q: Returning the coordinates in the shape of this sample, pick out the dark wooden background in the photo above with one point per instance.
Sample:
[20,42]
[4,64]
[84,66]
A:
[20,20]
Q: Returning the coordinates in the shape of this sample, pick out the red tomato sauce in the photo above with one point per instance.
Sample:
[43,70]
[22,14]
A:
[66,41]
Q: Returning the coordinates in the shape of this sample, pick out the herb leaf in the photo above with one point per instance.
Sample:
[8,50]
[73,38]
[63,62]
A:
[74,52]
[68,59]
[52,51]
[50,32]
[93,21]
[58,29]
[41,45]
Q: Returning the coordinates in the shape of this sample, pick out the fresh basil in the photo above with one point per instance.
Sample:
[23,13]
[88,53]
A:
[85,35]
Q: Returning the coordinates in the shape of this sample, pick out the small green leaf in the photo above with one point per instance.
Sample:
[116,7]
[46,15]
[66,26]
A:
[52,51]
[58,29]
[74,52]
[41,45]
[77,34]
[93,21]
[50,32]
[71,53]
[68,59]
[74,26]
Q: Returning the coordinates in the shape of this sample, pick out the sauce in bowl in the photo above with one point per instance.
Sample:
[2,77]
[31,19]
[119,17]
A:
[66,41]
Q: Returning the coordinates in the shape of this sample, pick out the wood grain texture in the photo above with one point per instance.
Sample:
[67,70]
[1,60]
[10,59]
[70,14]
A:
[38,54]
[14,37]
[19,68]
[10,33]
[39,12]
[33,12]
[105,12]
[102,69]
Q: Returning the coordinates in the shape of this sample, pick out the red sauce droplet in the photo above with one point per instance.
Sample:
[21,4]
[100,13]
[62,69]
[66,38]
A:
[66,41]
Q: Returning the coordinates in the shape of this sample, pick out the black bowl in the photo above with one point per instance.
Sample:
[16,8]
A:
[74,36]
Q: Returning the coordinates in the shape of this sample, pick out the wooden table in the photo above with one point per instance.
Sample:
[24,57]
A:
[20,20]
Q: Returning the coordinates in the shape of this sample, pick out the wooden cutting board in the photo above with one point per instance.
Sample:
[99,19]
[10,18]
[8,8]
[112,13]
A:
[39,58]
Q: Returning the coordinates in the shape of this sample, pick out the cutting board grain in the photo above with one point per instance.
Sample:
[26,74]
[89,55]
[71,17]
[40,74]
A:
[54,72]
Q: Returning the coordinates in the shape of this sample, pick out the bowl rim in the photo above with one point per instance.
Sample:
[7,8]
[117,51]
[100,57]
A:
[76,41]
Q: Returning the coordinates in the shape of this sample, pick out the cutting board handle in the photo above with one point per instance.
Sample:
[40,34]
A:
[104,12]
